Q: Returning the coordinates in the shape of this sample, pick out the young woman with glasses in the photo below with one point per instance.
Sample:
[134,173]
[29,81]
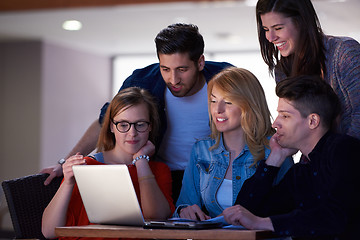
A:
[130,127]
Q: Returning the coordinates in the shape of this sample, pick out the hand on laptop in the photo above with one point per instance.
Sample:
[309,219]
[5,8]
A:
[194,213]
[76,159]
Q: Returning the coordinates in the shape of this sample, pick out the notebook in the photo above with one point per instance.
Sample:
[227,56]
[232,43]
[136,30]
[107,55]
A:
[109,197]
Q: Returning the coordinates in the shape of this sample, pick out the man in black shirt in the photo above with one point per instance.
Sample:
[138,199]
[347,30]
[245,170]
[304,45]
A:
[317,198]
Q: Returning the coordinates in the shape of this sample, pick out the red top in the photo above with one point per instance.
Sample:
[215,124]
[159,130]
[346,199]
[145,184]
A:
[76,214]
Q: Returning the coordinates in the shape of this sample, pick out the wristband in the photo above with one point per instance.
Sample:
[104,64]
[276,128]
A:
[61,161]
[146,177]
[140,157]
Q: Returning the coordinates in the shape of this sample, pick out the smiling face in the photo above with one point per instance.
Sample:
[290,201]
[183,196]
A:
[281,31]
[181,75]
[291,128]
[130,142]
[226,116]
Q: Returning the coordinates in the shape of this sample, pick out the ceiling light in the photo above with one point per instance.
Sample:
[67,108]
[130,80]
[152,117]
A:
[72,25]
[250,3]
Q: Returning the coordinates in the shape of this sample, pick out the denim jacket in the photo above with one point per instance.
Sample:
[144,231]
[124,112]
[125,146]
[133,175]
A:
[206,171]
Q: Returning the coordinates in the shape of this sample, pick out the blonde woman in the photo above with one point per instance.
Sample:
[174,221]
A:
[240,133]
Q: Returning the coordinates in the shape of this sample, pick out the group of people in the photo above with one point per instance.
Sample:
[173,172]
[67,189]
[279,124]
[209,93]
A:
[198,140]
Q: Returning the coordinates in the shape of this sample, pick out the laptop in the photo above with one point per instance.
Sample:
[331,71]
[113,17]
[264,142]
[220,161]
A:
[109,197]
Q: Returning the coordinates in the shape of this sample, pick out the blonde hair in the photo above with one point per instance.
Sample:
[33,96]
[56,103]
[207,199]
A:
[125,99]
[244,90]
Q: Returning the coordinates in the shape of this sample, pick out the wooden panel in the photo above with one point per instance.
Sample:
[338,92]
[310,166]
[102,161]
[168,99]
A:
[110,231]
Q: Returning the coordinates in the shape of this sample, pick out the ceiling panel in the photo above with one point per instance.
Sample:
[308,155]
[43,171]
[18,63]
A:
[131,28]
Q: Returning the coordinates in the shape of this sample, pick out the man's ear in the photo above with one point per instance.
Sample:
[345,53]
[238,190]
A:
[314,120]
[201,63]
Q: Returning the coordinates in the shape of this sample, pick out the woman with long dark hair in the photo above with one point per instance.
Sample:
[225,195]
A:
[292,43]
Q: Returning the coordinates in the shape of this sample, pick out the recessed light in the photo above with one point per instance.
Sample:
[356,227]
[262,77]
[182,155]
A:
[72,25]
[250,3]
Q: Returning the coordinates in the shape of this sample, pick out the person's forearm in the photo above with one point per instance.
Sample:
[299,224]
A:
[153,202]
[88,141]
[275,159]
[55,213]
[264,224]
[85,146]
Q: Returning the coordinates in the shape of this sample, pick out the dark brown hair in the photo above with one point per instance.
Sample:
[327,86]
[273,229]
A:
[180,38]
[310,94]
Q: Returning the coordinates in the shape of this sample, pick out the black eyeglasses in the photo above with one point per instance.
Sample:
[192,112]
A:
[124,126]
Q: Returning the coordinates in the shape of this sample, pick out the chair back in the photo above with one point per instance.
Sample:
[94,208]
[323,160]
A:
[27,197]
